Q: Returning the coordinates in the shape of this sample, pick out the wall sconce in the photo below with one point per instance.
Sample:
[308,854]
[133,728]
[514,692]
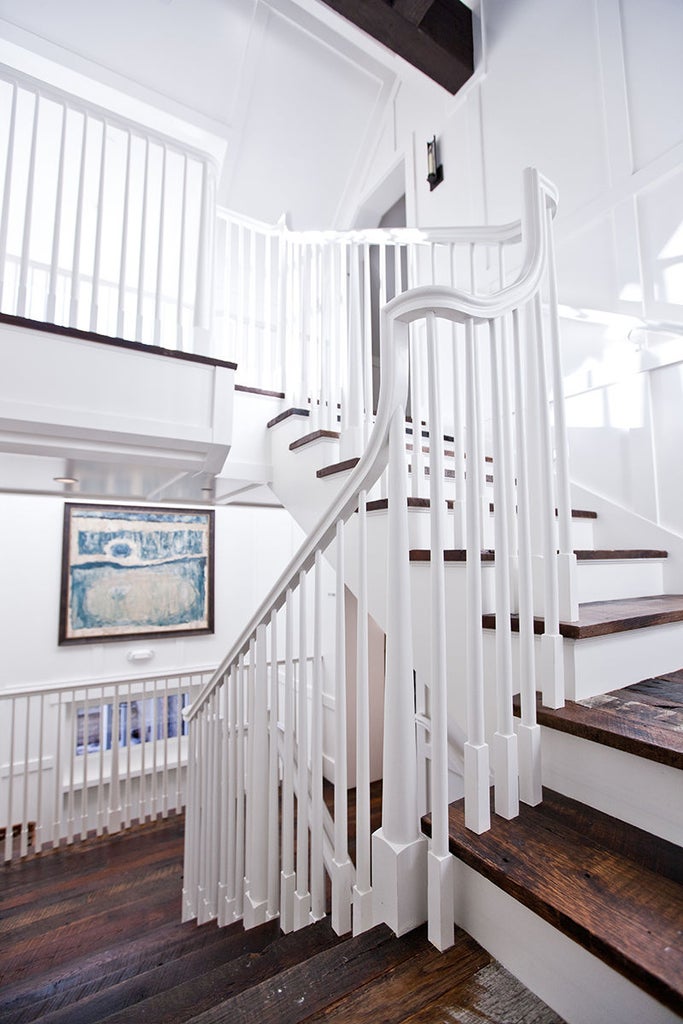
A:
[434,168]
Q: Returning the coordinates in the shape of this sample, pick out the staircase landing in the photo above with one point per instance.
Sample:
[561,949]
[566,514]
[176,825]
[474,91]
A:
[93,933]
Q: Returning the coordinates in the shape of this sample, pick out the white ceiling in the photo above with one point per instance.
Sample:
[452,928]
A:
[288,90]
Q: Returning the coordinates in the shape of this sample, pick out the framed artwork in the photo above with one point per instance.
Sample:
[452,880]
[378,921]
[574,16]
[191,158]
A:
[135,572]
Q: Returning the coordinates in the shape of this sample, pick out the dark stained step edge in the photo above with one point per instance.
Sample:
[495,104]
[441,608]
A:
[284,415]
[460,555]
[597,830]
[603,727]
[381,504]
[315,436]
[259,391]
[338,467]
[579,631]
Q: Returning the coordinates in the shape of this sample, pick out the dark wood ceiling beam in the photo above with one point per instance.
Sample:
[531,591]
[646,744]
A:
[450,65]
[413,10]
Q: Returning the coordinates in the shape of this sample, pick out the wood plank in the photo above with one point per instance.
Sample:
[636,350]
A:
[624,913]
[338,467]
[297,994]
[285,415]
[409,987]
[413,10]
[641,719]
[450,65]
[492,995]
[314,436]
[602,618]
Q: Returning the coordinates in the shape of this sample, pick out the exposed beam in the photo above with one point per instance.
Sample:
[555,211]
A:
[448,61]
[413,10]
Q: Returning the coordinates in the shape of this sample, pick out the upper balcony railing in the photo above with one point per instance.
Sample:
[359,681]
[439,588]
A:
[105,225]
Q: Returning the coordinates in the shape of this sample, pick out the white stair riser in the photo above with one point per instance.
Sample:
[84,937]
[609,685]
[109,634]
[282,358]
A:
[642,792]
[603,663]
[615,579]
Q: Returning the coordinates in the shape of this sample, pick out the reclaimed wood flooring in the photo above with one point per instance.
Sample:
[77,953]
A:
[92,933]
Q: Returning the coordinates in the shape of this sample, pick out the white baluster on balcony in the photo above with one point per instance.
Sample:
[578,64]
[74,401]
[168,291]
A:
[114,815]
[205,251]
[161,245]
[528,730]
[477,805]
[22,295]
[4,216]
[318,908]
[281,307]
[288,876]
[51,304]
[180,339]
[363,913]
[25,762]
[504,750]
[307,398]
[340,873]
[302,896]
[10,782]
[94,294]
[458,425]
[140,304]
[253,346]
[399,864]
[269,348]
[123,262]
[189,902]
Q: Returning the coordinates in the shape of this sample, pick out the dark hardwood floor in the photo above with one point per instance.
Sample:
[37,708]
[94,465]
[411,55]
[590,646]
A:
[92,933]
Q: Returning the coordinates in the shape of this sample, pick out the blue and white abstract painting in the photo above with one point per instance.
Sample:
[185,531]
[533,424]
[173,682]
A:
[134,572]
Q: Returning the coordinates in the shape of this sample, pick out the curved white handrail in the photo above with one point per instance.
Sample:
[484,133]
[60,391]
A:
[396,316]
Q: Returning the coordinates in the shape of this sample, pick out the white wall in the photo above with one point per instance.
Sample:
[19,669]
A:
[589,92]
[252,547]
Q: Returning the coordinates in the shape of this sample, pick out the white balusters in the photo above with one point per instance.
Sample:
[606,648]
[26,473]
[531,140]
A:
[440,866]
[477,807]
[363,917]
[302,896]
[287,875]
[341,865]
[504,752]
[28,214]
[4,216]
[317,863]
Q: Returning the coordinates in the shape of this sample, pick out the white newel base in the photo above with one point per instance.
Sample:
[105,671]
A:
[226,906]
[567,586]
[477,792]
[302,910]
[205,911]
[188,913]
[505,774]
[399,882]
[530,786]
[287,888]
[552,670]
[255,910]
[363,910]
[340,878]
[440,893]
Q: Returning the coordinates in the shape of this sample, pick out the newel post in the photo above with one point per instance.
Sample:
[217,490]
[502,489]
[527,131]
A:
[399,850]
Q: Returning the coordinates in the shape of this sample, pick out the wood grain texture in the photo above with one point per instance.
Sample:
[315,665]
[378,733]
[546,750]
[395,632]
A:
[645,719]
[301,442]
[601,618]
[285,414]
[578,880]
[338,467]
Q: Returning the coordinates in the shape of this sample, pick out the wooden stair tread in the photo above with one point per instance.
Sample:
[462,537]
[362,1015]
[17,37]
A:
[380,504]
[286,414]
[602,618]
[488,555]
[558,860]
[337,467]
[645,719]
[301,442]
